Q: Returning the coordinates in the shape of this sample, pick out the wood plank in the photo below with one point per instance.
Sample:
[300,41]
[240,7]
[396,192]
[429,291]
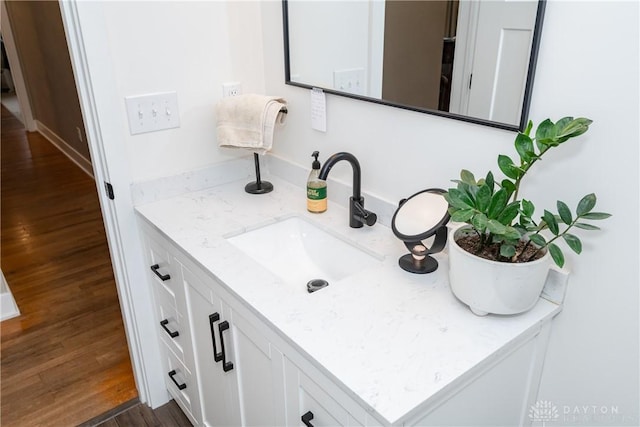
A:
[136,414]
[65,358]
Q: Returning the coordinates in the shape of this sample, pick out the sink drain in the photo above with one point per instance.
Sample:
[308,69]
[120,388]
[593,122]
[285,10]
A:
[316,285]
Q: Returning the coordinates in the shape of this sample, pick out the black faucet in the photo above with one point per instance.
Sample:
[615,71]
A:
[358,215]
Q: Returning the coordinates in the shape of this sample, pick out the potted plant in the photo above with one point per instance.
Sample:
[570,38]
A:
[499,258]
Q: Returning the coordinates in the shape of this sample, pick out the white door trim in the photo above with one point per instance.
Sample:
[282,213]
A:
[87,40]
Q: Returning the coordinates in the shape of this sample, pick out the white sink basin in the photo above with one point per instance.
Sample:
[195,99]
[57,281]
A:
[298,251]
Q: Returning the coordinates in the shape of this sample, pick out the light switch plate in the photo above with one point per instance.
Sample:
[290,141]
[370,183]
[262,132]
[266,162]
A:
[152,112]
[351,80]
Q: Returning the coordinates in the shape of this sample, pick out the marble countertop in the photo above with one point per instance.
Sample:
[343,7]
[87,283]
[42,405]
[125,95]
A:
[392,338]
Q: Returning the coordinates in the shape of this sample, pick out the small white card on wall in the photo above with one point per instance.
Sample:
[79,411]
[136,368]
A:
[318,110]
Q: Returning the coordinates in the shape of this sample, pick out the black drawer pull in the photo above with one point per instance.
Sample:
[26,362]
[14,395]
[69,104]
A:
[213,318]
[164,324]
[172,375]
[226,366]
[163,277]
[306,419]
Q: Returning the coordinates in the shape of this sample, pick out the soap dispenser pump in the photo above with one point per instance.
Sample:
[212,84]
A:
[316,188]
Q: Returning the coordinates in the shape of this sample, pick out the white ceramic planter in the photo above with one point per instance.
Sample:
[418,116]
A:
[494,287]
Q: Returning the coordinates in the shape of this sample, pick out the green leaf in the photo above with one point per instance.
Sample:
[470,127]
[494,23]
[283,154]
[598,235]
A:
[497,204]
[572,127]
[479,222]
[551,222]
[596,215]
[524,147]
[458,199]
[507,250]
[527,131]
[538,240]
[573,242]
[565,212]
[556,254]
[467,177]
[483,198]
[545,133]
[509,213]
[586,204]
[463,215]
[528,208]
[489,180]
[495,227]
[586,226]
[507,167]
[512,233]
[509,186]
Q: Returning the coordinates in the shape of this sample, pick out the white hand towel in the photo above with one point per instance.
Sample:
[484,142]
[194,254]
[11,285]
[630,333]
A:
[248,121]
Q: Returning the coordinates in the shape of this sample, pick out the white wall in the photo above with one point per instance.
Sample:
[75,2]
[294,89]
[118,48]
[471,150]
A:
[588,66]
[188,47]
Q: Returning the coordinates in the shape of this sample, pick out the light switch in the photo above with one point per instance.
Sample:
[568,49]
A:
[351,80]
[152,112]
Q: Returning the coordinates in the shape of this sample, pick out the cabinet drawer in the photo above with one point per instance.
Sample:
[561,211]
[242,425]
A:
[172,329]
[182,385]
[164,271]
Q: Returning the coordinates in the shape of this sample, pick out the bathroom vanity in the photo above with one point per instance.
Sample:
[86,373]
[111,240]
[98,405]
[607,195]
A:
[243,345]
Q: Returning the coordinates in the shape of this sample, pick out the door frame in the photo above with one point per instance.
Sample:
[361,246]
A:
[87,40]
[16,70]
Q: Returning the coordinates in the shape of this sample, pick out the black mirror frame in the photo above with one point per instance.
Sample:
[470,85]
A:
[524,117]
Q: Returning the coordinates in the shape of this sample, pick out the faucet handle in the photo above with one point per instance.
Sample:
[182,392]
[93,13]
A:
[369,218]
[360,215]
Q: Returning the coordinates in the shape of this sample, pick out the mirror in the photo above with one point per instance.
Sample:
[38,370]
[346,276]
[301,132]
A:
[419,217]
[470,60]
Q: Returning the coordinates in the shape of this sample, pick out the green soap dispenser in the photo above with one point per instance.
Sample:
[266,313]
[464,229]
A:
[316,188]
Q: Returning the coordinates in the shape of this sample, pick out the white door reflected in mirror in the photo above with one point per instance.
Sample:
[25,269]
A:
[421,55]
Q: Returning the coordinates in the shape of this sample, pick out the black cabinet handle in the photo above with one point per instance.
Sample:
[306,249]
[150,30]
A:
[172,375]
[213,318]
[164,324]
[163,277]
[306,419]
[226,366]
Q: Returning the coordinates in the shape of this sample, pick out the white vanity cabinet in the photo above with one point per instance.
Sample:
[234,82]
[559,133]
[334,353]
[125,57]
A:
[383,348]
[233,374]
[312,400]
[239,371]
[172,322]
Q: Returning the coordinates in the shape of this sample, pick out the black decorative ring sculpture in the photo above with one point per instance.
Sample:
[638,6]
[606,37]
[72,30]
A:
[420,217]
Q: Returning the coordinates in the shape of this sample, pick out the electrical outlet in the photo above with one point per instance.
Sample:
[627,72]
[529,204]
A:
[231,89]
[79,131]
[149,113]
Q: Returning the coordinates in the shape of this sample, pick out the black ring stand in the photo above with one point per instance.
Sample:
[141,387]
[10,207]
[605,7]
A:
[419,261]
[258,186]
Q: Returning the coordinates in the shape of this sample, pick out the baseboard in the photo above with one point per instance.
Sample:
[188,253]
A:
[65,148]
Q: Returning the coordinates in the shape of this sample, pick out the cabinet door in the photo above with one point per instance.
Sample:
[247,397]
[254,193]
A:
[308,404]
[260,374]
[218,389]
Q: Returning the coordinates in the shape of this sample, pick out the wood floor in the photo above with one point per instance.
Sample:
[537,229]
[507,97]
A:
[136,414]
[65,358]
